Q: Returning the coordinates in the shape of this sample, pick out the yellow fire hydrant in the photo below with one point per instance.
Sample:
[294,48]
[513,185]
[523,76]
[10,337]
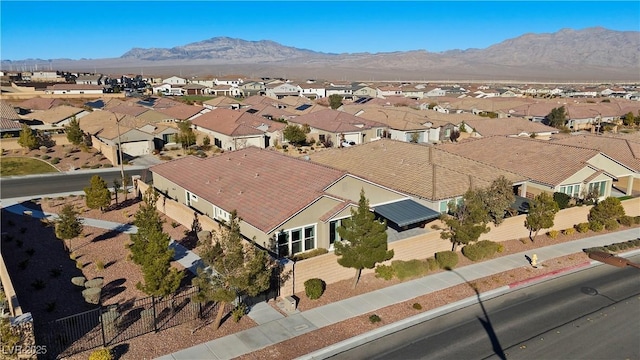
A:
[534,260]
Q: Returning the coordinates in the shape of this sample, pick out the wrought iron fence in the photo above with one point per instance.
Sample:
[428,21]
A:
[113,324]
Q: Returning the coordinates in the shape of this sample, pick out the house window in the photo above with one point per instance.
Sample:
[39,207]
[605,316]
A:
[379,133]
[599,186]
[283,243]
[571,190]
[309,238]
[333,231]
[447,132]
[322,138]
[296,240]
[444,206]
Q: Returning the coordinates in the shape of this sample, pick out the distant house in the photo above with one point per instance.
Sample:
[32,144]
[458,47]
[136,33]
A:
[280,91]
[252,88]
[174,80]
[233,130]
[312,91]
[56,118]
[339,128]
[89,79]
[231,80]
[74,89]
[195,89]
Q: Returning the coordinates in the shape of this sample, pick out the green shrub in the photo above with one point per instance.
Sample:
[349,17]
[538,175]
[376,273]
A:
[314,288]
[569,231]
[561,199]
[481,249]
[596,226]
[107,165]
[101,354]
[636,220]
[626,220]
[553,234]
[409,269]
[417,306]
[432,263]
[582,227]
[374,318]
[239,311]
[79,264]
[612,247]
[165,157]
[611,224]
[96,166]
[46,157]
[385,272]
[99,265]
[447,259]
[55,160]
[309,254]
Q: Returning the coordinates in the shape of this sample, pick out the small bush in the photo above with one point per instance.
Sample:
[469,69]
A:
[73,256]
[38,284]
[447,259]
[374,318]
[101,354]
[54,273]
[612,247]
[165,157]
[553,234]
[417,306]
[409,269]
[569,231]
[385,272]
[85,166]
[582,227]
[309,254]
[79,264]
[636,220]
[432,264]
[50,306]
[96,166]
[55,160]
[561,199]
[174,224]
[480,250]
[596,226]
[239,311]
[46,157]
[314,288]
[626,220]
[99,265]
[611,224]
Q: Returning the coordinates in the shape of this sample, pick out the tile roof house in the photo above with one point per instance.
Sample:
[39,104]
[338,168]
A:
[428,173]
[550,167]
[74,89]
[623,150]
[56,117]
[340,128]
[36,104]
[223,102]
[515,126]
[233,129]
[183,112]
[298,207]
[9,120]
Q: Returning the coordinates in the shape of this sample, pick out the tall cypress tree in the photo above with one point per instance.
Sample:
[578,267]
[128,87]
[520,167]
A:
[364,240]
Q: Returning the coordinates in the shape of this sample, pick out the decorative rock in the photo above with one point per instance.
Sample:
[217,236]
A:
[79,280]
[94,283]
[92,295]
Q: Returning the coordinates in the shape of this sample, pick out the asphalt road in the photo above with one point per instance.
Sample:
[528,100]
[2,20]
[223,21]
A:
[22,186]
[590,314]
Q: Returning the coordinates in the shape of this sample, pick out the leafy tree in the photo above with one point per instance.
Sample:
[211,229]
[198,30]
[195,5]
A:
[186,136]
[295,134]
[607,209]
[364,240]
[455,134]
[335,101]
[237,268]
[498,199]
[557,117]
[97,194]
[463,128]
[415,137]
[68,224]
[629,119]
[27,139]
[74,133]
[150,249]
[542,212]
[468,220]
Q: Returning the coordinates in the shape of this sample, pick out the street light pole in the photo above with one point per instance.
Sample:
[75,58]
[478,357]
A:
[120,151]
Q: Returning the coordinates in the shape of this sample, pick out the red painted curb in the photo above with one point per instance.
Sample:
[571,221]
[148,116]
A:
[549,274]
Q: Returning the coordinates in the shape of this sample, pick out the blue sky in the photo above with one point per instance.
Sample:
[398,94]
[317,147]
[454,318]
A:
[106,29]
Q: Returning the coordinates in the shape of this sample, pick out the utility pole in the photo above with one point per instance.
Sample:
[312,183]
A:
[120,153]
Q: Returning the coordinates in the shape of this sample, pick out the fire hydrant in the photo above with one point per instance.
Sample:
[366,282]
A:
[534,260]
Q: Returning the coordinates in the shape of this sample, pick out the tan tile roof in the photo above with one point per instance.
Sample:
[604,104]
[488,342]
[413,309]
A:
[235,123]
[6,124]
[542,161]
[55,115]
[259,99]
[74,87]
[335,121]
[245,181]
[406,167]
[129,109]
[222,101]
[40,103]
[624,150]
[182,112]
[396,117]
[103,124]
[7,112]
[267,109]
[153,116]
[508,126]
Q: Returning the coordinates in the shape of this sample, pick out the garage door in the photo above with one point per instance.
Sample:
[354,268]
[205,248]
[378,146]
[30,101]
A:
[138,148]
[352,138]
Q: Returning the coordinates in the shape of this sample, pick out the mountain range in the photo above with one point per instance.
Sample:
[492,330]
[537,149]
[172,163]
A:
[592,54]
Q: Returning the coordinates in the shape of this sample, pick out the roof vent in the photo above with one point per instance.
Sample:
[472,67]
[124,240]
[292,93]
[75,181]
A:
[219,191]
[240,192]
[257,174]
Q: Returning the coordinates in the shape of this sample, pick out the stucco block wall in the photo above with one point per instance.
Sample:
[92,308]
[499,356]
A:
[12,143]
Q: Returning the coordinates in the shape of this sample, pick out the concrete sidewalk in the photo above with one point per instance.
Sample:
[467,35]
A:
[278,330]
